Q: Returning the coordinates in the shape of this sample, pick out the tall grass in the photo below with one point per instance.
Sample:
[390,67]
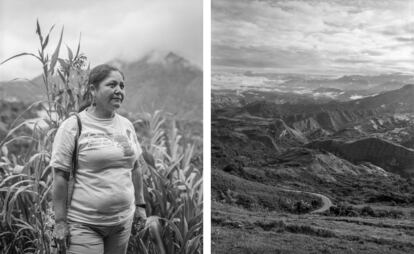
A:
[174,185]
[174,189]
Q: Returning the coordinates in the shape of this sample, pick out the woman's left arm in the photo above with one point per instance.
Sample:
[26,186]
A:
[137,179]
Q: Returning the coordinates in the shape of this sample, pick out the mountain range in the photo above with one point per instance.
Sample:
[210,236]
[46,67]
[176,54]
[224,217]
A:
[374,83]
[242,88]
[159,80]
[377,129]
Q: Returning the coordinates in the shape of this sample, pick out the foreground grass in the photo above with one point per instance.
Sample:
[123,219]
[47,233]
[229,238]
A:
[359,222]
[237,230]
[253,195]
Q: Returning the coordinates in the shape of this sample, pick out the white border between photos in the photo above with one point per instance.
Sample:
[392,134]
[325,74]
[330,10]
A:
[206,126]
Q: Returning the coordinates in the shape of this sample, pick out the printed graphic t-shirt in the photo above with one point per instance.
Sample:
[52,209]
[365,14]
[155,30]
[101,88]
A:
[108,148]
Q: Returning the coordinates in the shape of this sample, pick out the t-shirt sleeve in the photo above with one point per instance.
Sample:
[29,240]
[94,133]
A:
[63,145]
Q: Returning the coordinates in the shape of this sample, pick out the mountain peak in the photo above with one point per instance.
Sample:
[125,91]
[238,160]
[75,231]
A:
[165,58]
[155,56]
[408,86]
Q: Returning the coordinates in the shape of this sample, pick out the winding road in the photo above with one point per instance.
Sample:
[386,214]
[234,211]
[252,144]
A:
[326,202]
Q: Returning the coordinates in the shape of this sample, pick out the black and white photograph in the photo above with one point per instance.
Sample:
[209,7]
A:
[101,126]
[312,137]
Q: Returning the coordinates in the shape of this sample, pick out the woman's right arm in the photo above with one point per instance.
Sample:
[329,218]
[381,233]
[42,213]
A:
[60,194]
[61,162]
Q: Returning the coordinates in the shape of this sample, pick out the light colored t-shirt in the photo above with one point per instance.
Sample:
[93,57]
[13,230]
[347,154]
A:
[108,148]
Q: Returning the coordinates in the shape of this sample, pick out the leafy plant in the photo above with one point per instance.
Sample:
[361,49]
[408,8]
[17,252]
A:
[26,217]
[174,191]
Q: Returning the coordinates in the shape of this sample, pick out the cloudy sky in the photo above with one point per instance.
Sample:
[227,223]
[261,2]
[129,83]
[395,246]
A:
[126,29]
[314,36]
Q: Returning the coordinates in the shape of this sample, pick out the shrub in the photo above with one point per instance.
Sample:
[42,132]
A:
[245,200]
[302,207]
[350,211]
[271,225]
[368,211]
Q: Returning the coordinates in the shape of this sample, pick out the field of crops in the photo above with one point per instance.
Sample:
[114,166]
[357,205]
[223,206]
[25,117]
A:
[173,185]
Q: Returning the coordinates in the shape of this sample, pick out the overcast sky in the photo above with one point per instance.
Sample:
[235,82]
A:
[126,29]
[314,36]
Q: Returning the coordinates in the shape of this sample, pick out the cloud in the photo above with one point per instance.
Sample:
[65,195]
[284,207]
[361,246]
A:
[351,61]
[372,52]
[251,57]
[125,29]
[328,33]
[405,39]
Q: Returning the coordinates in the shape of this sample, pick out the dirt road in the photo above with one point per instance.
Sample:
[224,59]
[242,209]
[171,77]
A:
[326,202]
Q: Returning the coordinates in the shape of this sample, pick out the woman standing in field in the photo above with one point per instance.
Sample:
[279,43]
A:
[108,186]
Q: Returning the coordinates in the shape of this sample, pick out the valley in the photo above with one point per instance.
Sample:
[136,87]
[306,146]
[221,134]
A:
[280,154]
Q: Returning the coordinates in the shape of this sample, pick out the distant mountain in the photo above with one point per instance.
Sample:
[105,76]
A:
[373,83]
[247,135]
[164,81]
[159,80]
[392,157]
[21,90]
[310,164]
[332,116]
[301,88]
[396,100]
[262,129]
[229,98]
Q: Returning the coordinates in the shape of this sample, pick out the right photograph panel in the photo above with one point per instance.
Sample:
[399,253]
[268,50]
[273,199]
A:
[312,126]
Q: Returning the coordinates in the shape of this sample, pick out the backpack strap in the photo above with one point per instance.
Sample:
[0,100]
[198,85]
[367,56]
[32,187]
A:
[75,155]
[75,150]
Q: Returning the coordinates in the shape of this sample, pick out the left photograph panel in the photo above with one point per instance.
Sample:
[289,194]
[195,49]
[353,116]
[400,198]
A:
[101,134]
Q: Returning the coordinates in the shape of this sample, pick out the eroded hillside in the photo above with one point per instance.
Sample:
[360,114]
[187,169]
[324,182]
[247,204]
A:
[271,161]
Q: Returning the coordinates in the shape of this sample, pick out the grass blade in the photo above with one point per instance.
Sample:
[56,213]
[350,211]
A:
[55,55]
[19,55]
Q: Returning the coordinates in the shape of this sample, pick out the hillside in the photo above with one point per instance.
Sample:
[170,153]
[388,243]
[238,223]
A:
[357,153]
[393,157]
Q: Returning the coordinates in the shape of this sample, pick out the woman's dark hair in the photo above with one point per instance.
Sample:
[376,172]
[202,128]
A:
[96,76]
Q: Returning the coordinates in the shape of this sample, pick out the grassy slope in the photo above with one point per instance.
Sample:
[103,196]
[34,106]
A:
[252,195]
[236,230]
[240,227]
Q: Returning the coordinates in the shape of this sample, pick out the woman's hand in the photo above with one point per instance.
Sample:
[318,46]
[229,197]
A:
[140,218]
[140,213]
[61,234]
[137,179]
[60,195]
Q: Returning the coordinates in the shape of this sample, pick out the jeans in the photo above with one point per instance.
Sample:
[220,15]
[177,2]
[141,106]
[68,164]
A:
[92,239]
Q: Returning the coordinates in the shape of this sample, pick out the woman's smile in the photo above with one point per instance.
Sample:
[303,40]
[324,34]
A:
[120,99]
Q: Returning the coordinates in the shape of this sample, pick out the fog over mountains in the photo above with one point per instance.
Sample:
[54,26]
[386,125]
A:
[231,87]
[159,80]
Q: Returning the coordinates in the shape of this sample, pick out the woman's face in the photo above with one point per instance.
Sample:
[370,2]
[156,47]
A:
[110,92]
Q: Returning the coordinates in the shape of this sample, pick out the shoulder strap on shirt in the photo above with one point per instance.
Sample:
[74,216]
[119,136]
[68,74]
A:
[75,154]
[75,150]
